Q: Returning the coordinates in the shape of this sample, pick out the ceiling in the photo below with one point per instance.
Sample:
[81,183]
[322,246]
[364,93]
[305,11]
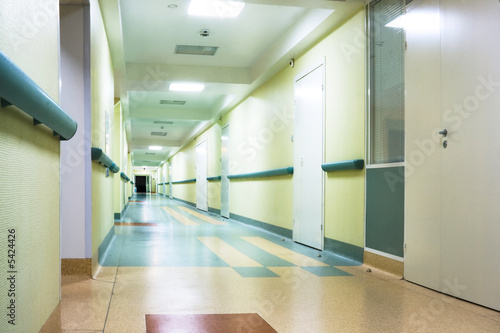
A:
[143,36]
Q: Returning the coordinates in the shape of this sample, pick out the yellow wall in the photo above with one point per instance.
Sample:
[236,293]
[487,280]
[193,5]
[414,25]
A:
[129,187]
[102,90]
[260,139]
[260,131]
[345,127]
[29,169]
[183,168]
[119,182]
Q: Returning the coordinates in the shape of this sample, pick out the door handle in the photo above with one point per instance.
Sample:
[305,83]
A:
[444,132]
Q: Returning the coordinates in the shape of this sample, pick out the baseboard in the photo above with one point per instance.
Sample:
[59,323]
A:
[53,323]
[186,202]
[345,250]
[283,232]
[101,251]
[214,210]
[383,263]
[118,216]
[76,267]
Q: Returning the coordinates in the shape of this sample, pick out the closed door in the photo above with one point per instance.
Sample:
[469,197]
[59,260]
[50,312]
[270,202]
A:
[308,176]
[224,185]
[170,187]
[452,226]
[201,176]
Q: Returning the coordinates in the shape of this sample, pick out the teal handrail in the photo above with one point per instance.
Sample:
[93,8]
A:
[132,183]
[124,176]
[268,173]
[98,155]
[17,88]
[185,181]
[214,179]
[343,165]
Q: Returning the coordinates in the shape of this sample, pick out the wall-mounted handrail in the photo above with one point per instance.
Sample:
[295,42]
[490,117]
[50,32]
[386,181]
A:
[343,165]
[214,179]
[132,183]
[124,176]
[268,173]
[98,155]
[17,88]
[185,181]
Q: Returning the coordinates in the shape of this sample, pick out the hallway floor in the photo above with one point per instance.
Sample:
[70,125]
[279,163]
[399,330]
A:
[167,258]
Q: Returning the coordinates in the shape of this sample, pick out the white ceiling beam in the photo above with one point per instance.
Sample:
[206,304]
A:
[152,76]
[171,114]
[145,143]
[323,4]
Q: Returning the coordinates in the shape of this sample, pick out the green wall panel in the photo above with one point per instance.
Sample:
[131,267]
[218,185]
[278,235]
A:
[385,210]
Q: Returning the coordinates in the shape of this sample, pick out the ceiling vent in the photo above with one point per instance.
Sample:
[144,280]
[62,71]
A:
[168,102]
[159,133]
[196,50]
[163,122]
[150,153]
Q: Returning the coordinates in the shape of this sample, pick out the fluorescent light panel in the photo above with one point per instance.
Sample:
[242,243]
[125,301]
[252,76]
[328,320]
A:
[155,148]
[185,86]
[215,8]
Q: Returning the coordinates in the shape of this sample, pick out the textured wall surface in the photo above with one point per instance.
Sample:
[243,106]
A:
[184,167]
[119,182]
[102,90]
[344,52]
[29,170]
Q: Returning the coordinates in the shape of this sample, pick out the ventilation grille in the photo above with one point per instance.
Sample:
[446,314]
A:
[163,122]
[196,50]
[159,133]
[150,154]
[169,102]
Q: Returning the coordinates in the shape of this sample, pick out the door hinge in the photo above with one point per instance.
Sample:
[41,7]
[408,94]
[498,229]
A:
[321,227]
[404,247]
[406,45]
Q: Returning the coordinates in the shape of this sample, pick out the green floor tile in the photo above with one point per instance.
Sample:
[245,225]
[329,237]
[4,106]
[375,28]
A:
[326,271]
[255,272]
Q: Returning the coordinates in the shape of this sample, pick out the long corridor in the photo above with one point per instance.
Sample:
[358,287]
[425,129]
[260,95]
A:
[168,263]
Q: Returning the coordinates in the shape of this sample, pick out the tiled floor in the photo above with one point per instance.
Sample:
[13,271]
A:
[181,262]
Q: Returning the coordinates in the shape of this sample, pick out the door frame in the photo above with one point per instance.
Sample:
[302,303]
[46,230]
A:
[321,63]
[226,127]
[203,182]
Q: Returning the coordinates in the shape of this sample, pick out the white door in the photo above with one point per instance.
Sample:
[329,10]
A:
[423,121]
[462,236]
[201,176]
[170,189]
[308,176]
[224,183]
[165,179]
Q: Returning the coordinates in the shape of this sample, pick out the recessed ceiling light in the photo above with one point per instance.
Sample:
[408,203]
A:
[159,133]
[216,8]
[196,50]
[185,86]
[155,148]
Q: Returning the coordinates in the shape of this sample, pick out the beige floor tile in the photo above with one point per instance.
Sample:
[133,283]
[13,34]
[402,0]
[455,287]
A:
[84,304]
[297,301]
[495,316]
[107,274]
